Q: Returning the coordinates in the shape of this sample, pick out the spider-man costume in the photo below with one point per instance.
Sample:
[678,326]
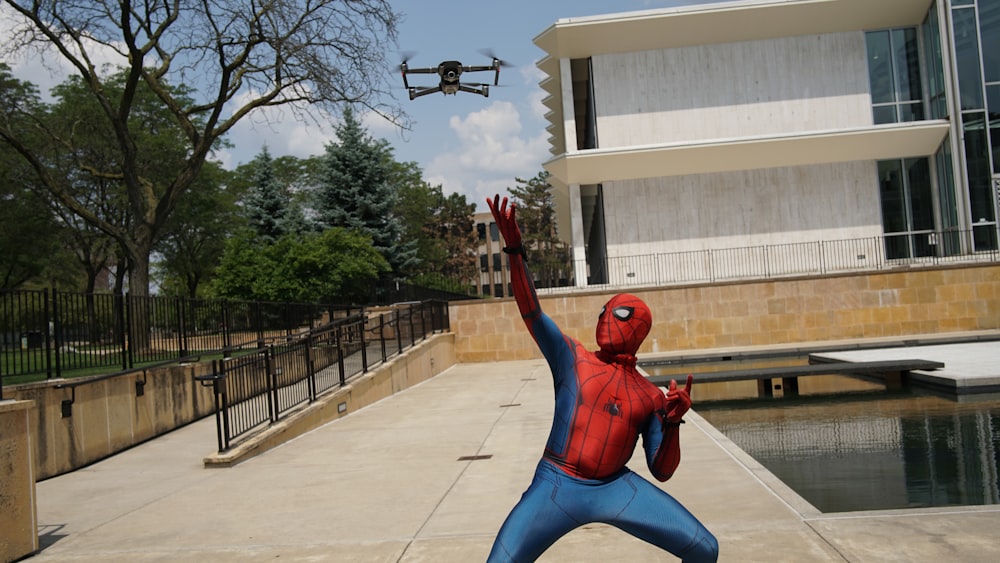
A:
[602,404]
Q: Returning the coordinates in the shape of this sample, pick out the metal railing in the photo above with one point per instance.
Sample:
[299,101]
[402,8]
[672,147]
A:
[258,389]
[798,259]
[53,332]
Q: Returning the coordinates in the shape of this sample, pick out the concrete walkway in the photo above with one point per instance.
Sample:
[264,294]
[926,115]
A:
[390,483]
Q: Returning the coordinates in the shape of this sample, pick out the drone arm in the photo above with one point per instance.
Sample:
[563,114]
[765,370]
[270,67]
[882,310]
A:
[483,91]
[415,93]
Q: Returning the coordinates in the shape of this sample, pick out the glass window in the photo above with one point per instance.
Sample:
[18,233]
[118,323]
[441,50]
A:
[993,114]
[970,83]
[918,173]
[893,199]
[880,67]
[907,208]
[494,232]
[911,112]
[950,243]
[894,75]
[989,21]
[935,69]
[884,114]
[907,64]
[977,160]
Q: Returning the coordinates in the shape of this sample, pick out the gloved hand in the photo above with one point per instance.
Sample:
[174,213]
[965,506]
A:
[506,221]
[678,400]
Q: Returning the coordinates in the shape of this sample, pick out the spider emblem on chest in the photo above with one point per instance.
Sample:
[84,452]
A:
[613,407]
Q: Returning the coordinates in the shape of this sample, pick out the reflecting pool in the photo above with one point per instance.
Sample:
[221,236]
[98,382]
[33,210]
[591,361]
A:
[846,444]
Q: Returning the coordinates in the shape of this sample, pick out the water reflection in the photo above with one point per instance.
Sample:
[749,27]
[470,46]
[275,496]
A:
[847,444]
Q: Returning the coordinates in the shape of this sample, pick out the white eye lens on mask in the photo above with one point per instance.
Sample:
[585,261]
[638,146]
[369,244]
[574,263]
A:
[623,313]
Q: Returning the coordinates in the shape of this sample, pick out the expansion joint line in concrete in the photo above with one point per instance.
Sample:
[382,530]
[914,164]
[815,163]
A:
[479,450]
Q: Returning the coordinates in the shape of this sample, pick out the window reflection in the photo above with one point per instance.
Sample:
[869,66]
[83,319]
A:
[970,83]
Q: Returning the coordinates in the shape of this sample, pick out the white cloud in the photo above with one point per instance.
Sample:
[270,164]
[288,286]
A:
[491,153]
[532,76]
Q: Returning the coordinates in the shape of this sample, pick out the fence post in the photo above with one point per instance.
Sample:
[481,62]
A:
[226,341]
[129,336]
[260,324]
[413,335]
[340,354]
[52,328]
[310,370]
[364,343]
[122,331]
[399,333]
[272,385]
[423,320]
[381,332]
[180,327]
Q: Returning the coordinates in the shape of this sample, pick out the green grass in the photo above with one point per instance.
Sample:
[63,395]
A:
[13,362]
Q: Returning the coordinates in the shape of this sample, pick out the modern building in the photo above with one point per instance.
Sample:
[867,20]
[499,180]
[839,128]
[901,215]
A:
[494,278]
[777,135]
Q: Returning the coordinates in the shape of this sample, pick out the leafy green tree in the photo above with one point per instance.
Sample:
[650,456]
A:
[194,237]
[549,255]
[355,192]
[30,234]
[416,206]
[335,266]
[243,54]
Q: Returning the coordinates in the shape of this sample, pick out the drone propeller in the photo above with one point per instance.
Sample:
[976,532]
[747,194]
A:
[407,55]
[489,53]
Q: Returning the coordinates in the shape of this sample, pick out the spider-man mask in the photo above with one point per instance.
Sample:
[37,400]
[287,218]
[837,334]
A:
[623,325]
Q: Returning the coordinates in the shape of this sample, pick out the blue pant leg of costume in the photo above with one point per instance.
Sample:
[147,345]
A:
[535,523]
[656,517]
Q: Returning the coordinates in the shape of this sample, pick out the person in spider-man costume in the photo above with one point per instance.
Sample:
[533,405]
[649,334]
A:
[602,405]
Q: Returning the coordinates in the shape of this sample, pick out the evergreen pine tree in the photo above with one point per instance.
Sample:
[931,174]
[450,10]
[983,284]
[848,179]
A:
[266,203]
[355,192]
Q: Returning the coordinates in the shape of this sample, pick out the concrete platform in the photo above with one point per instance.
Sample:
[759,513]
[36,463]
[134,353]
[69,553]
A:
[968,367]
[387,484]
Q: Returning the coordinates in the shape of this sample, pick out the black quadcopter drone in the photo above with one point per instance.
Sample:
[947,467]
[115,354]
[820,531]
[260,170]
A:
[450,73]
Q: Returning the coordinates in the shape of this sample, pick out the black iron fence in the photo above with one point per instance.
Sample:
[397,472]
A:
[259,388]
[55,333]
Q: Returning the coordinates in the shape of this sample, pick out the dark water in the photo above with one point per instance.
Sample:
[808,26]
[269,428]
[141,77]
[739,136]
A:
[847,444]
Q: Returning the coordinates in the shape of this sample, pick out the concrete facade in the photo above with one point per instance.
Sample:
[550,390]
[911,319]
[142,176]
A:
[770,313]
[752,123]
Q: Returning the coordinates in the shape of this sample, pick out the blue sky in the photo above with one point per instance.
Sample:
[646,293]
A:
[466,143]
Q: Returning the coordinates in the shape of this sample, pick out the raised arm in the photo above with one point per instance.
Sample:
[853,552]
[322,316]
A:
[523,287]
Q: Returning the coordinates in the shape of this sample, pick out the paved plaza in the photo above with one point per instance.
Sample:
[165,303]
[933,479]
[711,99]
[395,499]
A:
[429,474]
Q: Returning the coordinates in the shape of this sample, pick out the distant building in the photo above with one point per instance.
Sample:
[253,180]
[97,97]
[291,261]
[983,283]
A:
[494,279]
[775,123]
